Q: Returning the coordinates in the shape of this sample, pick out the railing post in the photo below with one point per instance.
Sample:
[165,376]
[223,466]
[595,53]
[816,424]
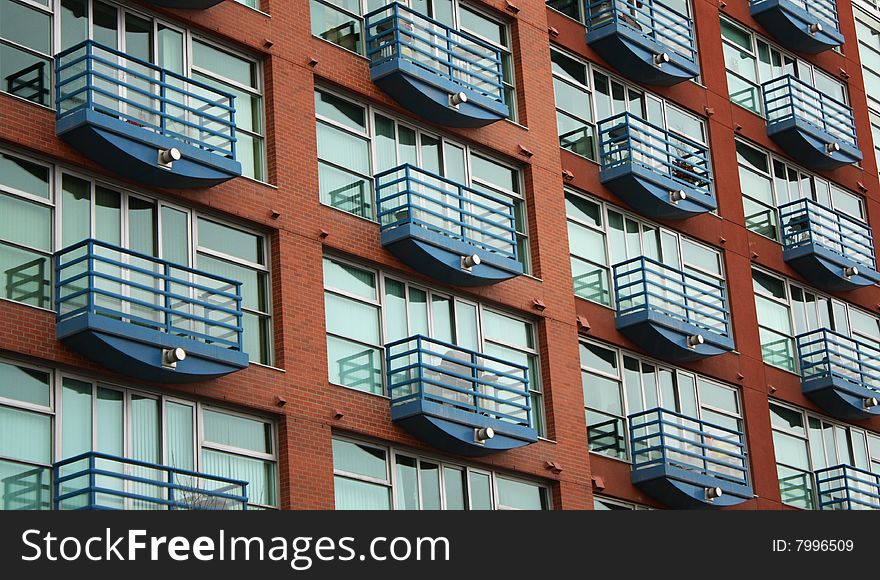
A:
[475,373]
[90,261]
[163,111]
[171,499]
[93,495]
[167,285]
[421,368]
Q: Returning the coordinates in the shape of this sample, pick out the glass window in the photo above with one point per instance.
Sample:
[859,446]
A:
[26,236]
[617,385]
[574,111]
[26,51]
[373,477]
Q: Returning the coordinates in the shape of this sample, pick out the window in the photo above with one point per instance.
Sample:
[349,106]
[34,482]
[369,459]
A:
[805,443]
[768,182]
[373,477]
[168,431]
[571,8]
[182,52]
[617,384]
[751,61]
[26,50]
[25,437]
[26,237]
[580,89]
[365,310]
[875,134]
[92,209]
[601,236]
[868,33]
[356,142]
[786,310]
[606,504]
[342,23]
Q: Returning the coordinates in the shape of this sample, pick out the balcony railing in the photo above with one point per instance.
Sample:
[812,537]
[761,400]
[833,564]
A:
[826,354]
[421,368]
[409,195]
[96,278]
[823,10]
[845,487]
[651,18]
[644,284]
[98,481]
[699,449]
[93,77]
[397,32]
[625,138]
[788,97]
[806,222]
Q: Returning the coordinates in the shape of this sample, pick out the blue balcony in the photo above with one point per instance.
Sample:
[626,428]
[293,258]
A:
[687,463]
[186,4]
[845,487]
[660,174]
[810,126]
[98,481]
[673,315]
[645,40]
[840,374]
[437,72]
[145,317]
[458,400]
[830,249]
[143,122]
[453,233]
[802,25]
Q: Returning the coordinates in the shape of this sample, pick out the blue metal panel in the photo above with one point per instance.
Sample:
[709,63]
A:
[660,174]
[840,374]
[812,127]
[122,309]
[122,112]
[645,40]
[676,458]
[830,249]
[845,487]
[804,25]
[98,481]
[442,393]
[421,63]
[431,223]
[186,4]
[660,308]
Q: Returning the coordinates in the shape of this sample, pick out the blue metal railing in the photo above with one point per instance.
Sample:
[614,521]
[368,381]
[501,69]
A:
[651,18]
[824,10]
[99,481]
[397,32]
[805,222]
[826,354]
[788,97]
[93,277]
[94,77]
[626,138]
[662,437]
[423,368]
[409,195]
[644,284]
[845,487]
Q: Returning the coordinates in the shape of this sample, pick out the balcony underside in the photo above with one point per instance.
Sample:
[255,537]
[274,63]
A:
[632,53]
[667,338]
[809,144]
[136,351]
[682,488]
[133,151]
[186,4]
[426,94]
[452,429]
[439,256]
[825,269]
[649,192]
[790,25]
[840,397]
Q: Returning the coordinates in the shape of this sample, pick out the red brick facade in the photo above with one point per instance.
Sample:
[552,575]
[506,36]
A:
[293,62]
